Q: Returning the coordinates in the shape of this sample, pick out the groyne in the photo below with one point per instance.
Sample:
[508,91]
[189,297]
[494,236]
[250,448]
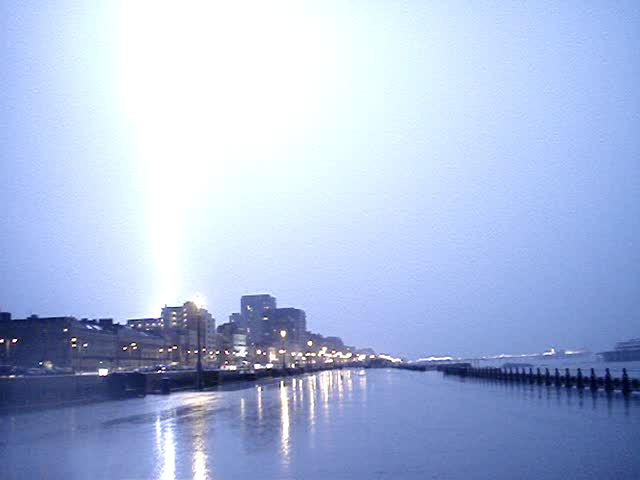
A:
[559,379]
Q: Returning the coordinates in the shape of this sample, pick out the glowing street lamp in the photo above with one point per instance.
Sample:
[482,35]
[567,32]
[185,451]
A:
[283,335]
[198,301]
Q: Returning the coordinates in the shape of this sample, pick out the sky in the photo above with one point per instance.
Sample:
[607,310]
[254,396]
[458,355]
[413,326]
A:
[424,178]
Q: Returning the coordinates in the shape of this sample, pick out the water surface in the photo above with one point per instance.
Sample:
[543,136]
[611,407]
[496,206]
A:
[373,424]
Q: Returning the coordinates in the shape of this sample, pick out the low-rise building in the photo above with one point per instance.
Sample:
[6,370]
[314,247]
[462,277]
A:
[81,345]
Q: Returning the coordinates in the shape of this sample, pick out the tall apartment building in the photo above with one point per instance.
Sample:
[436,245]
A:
[179,327]
[254,310]
[186,317]
[291,320]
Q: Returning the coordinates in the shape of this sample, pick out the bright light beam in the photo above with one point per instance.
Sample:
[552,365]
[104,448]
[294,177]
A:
[211,89]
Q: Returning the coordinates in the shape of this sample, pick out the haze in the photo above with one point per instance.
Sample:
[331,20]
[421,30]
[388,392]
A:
[420,177]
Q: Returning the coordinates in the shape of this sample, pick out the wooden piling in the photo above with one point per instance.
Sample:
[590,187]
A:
[626,386]
[523,375]
[593,381]
[579,380]
[608,383]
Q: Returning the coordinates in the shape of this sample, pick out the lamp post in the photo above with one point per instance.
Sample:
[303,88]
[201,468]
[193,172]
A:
[134,346]
[199,345]
[74,354]
[309,345]
[283,335]
[82,351]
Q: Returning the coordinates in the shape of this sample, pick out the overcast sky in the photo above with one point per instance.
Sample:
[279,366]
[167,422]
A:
[420,177]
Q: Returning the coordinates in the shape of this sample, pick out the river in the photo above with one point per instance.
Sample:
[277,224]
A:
[349,424]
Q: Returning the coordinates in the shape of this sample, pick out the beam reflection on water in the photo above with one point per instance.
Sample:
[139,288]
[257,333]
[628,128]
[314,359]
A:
[166,448]
[259,404]
[284,422]
[311,385]
[199,460]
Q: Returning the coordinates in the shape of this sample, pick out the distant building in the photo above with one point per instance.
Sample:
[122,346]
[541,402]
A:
[291,320]
[186,317]
[254,310]
[179,328]
[135,348]
[78,344]
[252,305]
[146,324]
[330,344]
[238,319]
[232,344]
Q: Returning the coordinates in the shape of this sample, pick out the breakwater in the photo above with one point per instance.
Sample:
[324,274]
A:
[559,379]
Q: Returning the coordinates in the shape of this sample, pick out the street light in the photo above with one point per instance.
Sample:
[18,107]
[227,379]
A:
[198,302]
[81,353]
[308,353]
[283,335]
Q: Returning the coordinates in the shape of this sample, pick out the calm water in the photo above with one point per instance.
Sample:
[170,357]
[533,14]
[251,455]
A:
[378,424]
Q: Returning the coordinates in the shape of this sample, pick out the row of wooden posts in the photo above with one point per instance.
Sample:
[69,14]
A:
[566,380]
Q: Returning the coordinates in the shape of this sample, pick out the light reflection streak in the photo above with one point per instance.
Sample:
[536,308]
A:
[243,410]
[259,404]
[294,394]
[199,460]
[301,391]
[311,385]
[168,452]
[200,465]
[349,385]
[158,426]
[324,392]
[284,422]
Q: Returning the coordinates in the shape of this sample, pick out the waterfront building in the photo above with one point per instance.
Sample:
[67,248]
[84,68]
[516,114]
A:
[146,324]
[135,348]
[187,317]
[329,344]
[294,321]
[85,344]
[239,320]
[179,328]
[254,311]
[232,344]
[291,320]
